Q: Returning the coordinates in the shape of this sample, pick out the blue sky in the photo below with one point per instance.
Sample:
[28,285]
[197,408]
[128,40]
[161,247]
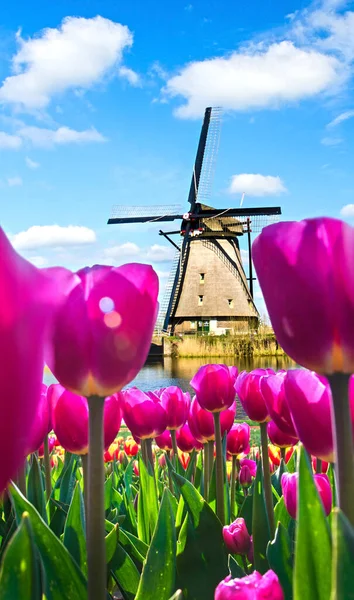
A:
[101,103]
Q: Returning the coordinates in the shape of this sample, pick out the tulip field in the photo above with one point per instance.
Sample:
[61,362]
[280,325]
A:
[185,506]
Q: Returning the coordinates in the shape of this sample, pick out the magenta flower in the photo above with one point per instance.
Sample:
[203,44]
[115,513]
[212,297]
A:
[245,476]
[289,484]
[238,439]
[28,297]
[272,388]
[308,397]
[41,425]
[186,441]
[176,404]
[312,316]
[236,537]
[201,421]
[102,333]
[251,464]
[70,419]
[251,587]
[278,437]
[248,388]
[143,414]
[164,441]
[214,387]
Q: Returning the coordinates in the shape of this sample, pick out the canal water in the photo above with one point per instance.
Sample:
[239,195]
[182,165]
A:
[179,371]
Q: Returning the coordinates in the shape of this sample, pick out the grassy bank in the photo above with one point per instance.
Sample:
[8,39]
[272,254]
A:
[219,346]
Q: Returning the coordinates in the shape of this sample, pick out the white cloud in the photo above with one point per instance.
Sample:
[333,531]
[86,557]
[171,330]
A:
[120,251]
[258,295]
[132,77]
[331,141]
[42,137]
[14,181]
[244,257]
[254,78]
[76,55]
[52,236]
[348,114]
[254,184]
[157,253]
[10,142]
[38,261]
[347,210]
[31,164]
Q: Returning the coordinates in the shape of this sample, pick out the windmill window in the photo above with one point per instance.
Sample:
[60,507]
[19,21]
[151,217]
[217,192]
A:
[231,302]
[201,277]
[200,300]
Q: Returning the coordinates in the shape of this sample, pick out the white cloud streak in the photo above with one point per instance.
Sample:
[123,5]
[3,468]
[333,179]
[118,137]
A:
[131,76]
[255,184]
[10,142]
[53,236]
[344,116]
[31,164]
[42,137]
[14,181]
[76,55]
[347,211]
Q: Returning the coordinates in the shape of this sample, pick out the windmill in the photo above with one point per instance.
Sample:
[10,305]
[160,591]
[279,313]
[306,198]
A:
[208,289]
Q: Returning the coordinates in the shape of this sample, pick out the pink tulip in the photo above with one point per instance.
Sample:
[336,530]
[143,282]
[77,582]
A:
[236,537]
[289,484]
[312,316]
[186,441]
[41,425]
[245,477]
[249,392]
[251,464]
[324,465]
[308,397]
[164,440]
[272,388]
[136,468]
[144,415]
[201,422]
[251,587]
[278,437]
[238,439]
[214,387]
[28,297]
[102,333]
[176,404]
[70,420]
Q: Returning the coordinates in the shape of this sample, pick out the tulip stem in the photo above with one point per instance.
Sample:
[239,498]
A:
[343,443]
[283,453]
[267,484]
[245,565]
[206,471]
[96,548]
[143,452]
[22,485]
[318,465]
[84,462]
[211,458]
[174,446]
[48,474]
[233,483]
[220,509]
[149,454]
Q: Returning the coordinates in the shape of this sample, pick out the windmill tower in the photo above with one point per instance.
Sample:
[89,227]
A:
[208,290]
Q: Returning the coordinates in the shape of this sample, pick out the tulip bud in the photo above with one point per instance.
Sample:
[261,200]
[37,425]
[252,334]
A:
[238,439]
[136,468]
[245,477]
[251,464]
[143,413]
[236,537]
[186,441]
[164,441]
[278,437]
[176,404]
[251,587]
[289,483]
[272,389]
[201,422]
[249,392]
[214,387]
[131,448]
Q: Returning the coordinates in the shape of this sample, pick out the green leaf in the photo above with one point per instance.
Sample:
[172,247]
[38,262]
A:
[147,503]
[111,543]
[343,557]
[159,571]
[291,464]
[20,570]
[280,559]
[74,532]
[35,490]
[202,558]
[235,569]
[66,483]
[108,493]
[131,548]
[276,478]
[191,466]
[61,571]
[139,545]
[260,525]
[246,512]
[281,515]
[125,573]
[312,580]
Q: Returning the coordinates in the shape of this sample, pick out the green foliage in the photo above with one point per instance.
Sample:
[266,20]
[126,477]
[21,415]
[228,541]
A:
[343,557]
[35,490]
[74,531]
[280,559]
[260,525]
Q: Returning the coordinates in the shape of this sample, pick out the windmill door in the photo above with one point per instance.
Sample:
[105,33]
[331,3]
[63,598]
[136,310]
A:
[203,326]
